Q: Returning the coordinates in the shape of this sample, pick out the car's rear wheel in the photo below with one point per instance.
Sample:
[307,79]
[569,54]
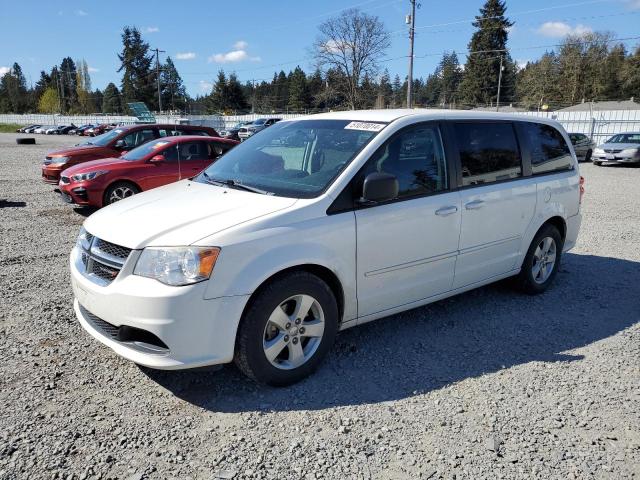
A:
[119,191]
[287,329]
[597,163]
[541,262]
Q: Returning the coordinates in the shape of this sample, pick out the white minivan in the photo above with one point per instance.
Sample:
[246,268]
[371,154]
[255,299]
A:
[322,223]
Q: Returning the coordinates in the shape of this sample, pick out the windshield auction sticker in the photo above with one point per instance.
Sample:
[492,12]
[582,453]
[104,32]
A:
[366,126]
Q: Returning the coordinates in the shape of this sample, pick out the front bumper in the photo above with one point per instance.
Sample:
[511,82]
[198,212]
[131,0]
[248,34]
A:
[81,193]
[51,172]
[614,159]
[195,331]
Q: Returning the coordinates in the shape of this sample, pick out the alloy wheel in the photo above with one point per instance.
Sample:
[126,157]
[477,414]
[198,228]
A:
[544,260]
[293,332]
[120,193]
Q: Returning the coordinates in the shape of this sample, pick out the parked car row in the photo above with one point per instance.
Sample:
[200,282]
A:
[130,159]
[621,148]
[89,130]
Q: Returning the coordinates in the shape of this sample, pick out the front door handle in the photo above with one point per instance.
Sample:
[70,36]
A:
[476,204]
[444,211]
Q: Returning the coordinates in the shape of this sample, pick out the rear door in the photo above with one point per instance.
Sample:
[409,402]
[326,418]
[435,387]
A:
[406,248]
[498,202]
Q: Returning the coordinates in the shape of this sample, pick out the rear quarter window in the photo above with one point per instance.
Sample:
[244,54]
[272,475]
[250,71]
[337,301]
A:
[549,150]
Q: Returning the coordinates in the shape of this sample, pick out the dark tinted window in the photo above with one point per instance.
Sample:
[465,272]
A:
[217,149]
[488,152]
[193,151]
[416,158]
[138,137]
[549,151]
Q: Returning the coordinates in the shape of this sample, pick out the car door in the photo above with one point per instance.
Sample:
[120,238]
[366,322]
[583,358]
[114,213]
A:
[162,173]
[498,202]
[406,248]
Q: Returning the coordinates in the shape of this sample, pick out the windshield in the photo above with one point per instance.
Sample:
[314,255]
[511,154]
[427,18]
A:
[104,139]
[259,121]
[625,138]
[296,159]
[145,149]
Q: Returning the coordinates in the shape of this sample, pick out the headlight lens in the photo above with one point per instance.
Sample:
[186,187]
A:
[630,152]
[59,160]
[80,177]
[177,265]
[84,239]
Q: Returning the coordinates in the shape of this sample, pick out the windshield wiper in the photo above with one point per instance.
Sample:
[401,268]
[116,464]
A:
[234,184]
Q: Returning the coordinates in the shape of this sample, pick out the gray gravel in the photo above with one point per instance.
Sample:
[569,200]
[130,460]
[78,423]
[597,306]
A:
[490,384]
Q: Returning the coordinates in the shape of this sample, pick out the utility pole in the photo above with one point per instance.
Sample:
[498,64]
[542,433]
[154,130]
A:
[158,52]
[411,20]
[499,85]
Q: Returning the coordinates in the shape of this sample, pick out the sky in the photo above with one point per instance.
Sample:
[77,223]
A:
[256,38]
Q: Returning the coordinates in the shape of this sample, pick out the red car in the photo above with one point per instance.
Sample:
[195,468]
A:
[113,144]
[158,162]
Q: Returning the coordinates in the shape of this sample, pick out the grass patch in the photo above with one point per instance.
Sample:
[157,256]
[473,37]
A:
[9,127]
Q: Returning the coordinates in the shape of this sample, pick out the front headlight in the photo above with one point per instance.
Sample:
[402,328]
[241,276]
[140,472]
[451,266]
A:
[177,265]
[59,160]
[79,177]
[84,239]
[630,152]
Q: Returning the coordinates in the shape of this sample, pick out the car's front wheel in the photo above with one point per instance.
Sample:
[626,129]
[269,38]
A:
[287,329]
[119,191]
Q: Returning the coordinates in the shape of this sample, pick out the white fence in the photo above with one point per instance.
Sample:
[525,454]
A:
[597,124]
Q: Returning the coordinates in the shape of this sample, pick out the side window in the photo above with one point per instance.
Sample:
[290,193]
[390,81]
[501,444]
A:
[416,158]
[193,151]
[138,137]
[549,151]
[171,153]
[488,152]
[162,132]
[216,149]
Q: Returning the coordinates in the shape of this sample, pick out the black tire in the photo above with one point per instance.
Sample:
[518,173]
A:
[587,157]
[250,356]
[107,199]
[26,141]
[525,280]
[597,164]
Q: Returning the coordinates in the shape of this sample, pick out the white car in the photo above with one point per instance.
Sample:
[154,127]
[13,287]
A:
[43,129]
[322,223]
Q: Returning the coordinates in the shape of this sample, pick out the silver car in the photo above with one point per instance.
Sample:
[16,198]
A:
[583,146]
[256,126]
[622,148]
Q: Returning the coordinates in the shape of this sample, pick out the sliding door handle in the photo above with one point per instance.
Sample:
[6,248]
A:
[476,204]
[444,211]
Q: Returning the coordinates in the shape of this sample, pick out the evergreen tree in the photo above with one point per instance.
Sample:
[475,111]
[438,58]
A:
[172,89]
[14,97]
[299,98]
[314,87]
[68,85]
[41,85]
[488,43]
[612,74]
[398,99]
[111,102]
[631,76]
[138,78]
[280,92]
[235,98]
[217,98]
[385,91]
[433,89]
[450,76]
[96,100]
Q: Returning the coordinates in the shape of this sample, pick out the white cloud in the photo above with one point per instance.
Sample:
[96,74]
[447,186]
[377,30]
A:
[240,45]
[185,56]
[633,4]
[81,13]
[93,70]
[151,30]
[4,71]
[561,29]
[238,54]
[520,64]
[205,87]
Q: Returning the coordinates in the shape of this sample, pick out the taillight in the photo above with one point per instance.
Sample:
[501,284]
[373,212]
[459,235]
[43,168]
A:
[581,187]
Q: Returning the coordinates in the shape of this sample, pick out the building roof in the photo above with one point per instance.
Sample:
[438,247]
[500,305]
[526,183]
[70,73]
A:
[506,109]
[609,105]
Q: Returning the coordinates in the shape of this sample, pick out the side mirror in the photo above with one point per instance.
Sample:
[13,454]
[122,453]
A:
[157,159]
[379,187]
[120,144]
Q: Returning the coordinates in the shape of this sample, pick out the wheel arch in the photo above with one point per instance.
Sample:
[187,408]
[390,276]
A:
[322,272]
[558,222]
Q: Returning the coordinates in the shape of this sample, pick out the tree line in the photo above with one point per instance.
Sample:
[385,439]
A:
[349,55]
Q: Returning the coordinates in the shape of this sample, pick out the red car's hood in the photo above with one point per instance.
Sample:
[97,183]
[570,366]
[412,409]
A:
[103,163]
[78,149]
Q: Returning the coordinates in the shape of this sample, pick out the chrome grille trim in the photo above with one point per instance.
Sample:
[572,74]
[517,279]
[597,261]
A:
[102,261]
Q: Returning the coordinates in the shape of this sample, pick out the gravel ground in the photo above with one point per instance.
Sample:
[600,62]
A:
[489,384]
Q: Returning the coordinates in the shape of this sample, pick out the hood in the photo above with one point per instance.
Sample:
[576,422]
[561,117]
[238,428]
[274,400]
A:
[77,150]
[619,146]
[110,163]
[178,214]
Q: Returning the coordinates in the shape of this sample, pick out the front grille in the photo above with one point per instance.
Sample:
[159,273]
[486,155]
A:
[613,150]
[102,261]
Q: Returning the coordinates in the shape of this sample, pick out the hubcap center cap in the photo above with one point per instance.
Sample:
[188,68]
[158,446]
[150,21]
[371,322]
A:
[293,331]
